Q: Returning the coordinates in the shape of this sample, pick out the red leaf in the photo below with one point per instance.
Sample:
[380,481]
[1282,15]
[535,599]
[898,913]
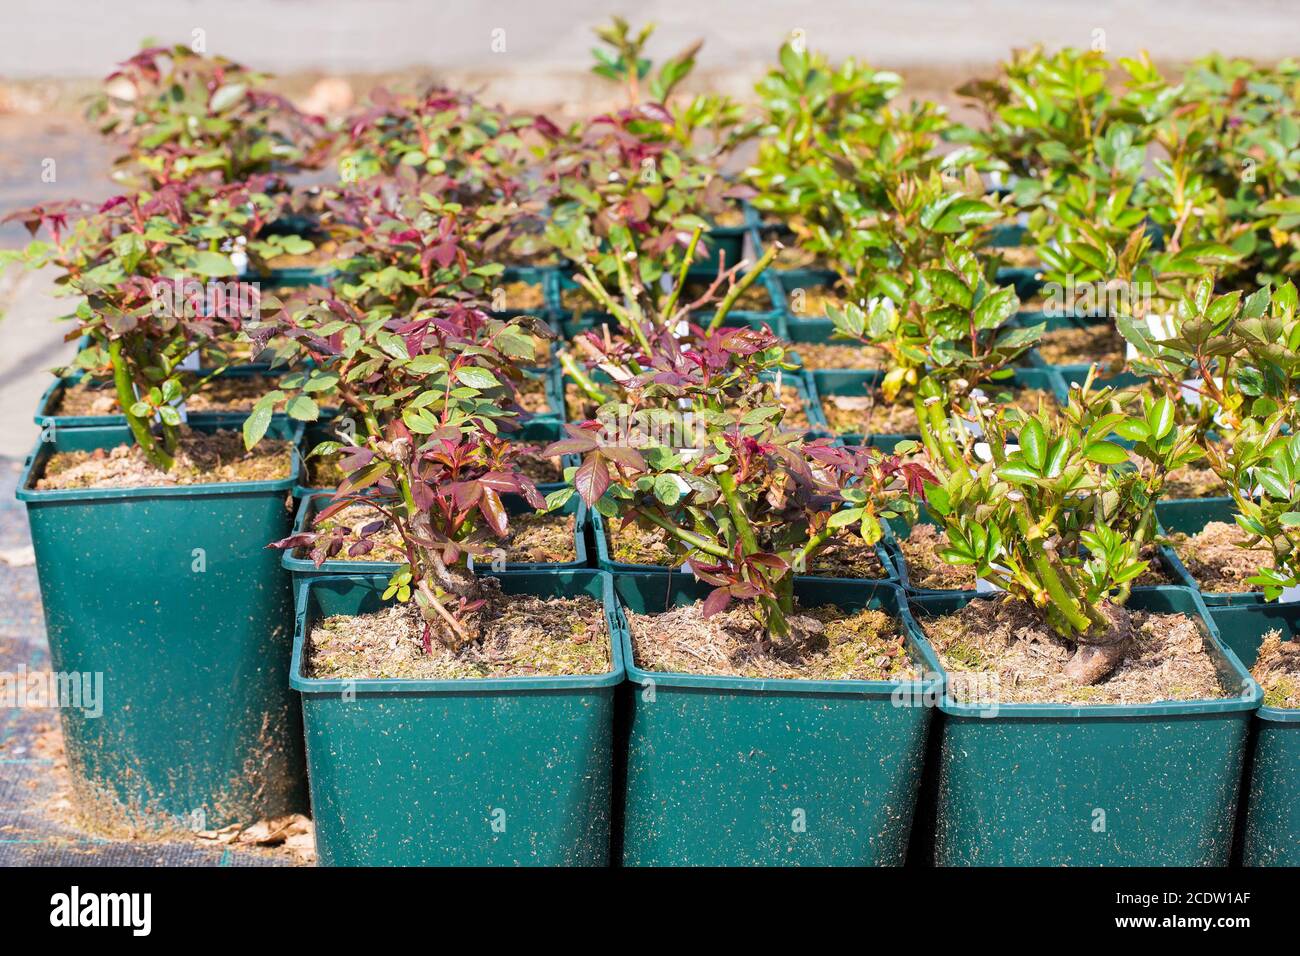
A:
[715,602]
[493,511]
[591,479]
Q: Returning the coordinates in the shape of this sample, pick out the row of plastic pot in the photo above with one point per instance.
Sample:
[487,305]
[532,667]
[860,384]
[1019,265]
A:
[198,629]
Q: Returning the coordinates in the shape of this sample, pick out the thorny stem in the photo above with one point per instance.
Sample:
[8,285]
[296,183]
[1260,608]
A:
[699,542]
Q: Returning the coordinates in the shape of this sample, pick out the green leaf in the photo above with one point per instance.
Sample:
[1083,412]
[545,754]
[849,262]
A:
[227,96]
[256,424]
[1106,453]
[1134,429]
[212,264]
[667,490]
[1034,445]
[1160,418]
[1017,473]
[475,377]
[303,409]
[845,517]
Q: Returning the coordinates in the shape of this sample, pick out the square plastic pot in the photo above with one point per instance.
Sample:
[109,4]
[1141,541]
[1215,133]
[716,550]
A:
[1190,517]
[735,771]
[303,567]
[787,281]
[171,595]
[1102,785]
[817,331]
[1270,835]
[489,772]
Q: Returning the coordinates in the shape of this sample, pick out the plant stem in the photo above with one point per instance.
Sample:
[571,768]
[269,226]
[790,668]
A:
[737,290]
[699,542]
[582,379]
[736,508]
[156,455]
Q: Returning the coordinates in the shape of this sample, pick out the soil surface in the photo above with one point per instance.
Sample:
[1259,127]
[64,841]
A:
[869,415]
[1277,669]
[793,257]
[532,396]
[323,471]
[523,296]
[845,556]
[823,355]
[1018,256]
[826,643]
[231,393]
[530,537]
[1006,644]
[1156,572]
[633,545]
[1082,345]
[926,568]
[203,458]
[322,255]
[536,467]
[753,299]
[814,302]
[522,636]
[1216,559]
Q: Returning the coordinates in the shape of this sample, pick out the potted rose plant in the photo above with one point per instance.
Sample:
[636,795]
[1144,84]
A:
[750,657]
[380,659]
[1059,729]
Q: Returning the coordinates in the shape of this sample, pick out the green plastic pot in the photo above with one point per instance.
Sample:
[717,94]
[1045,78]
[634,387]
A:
[816,331]
[1104,785]
[304,567]
[533,275]
[501,771]
[171,594]
[786,281]
[734,771]
[1270,835]
[1190,516]
[1025,279]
